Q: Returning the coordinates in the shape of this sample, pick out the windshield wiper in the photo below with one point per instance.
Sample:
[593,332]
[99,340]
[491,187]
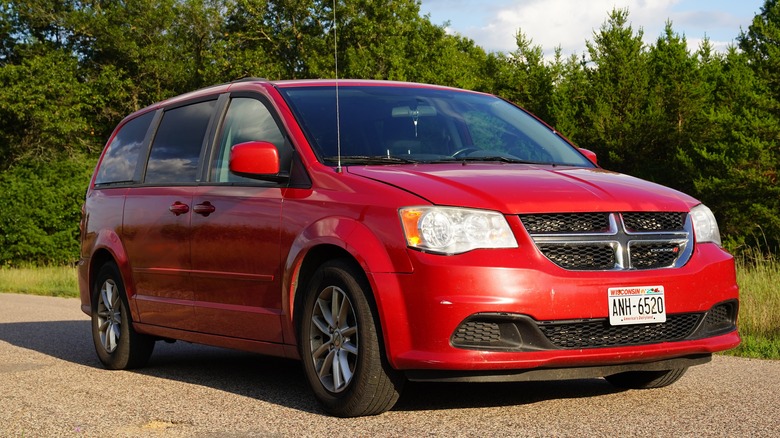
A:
[501,159]
[371,159]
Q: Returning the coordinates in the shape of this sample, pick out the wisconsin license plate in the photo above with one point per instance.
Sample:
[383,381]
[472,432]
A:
[636,305]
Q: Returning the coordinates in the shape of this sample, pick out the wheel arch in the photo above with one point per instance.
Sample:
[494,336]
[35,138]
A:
[351,240]
[108,248]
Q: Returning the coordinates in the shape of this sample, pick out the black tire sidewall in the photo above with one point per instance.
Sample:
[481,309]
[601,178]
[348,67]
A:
[133,350]
[370,362]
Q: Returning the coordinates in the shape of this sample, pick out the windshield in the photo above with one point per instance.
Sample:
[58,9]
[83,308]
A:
[390,124]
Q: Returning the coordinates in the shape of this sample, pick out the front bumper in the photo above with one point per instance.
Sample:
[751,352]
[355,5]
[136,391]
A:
[536,374]
[422,312]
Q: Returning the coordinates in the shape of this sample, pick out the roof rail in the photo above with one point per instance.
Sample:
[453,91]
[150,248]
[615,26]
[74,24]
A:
[248,79]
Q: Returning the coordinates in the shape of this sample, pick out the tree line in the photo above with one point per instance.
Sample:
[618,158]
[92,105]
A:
[703,121]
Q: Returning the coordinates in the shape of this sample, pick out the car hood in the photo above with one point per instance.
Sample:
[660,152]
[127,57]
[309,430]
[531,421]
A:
[522,188]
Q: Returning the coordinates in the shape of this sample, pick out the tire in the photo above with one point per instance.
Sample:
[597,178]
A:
[646,379]
[343,358]
[117,344]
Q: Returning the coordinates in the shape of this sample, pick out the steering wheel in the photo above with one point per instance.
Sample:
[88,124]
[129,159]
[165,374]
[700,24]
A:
[464,151]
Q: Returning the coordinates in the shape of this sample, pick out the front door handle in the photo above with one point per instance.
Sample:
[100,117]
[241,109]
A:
[204,208]
[179,208]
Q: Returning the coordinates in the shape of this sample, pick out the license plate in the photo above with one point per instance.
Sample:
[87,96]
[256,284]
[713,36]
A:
[636,305]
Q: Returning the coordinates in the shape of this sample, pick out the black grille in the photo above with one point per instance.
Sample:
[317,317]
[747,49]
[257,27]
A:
[644,222]
[477,333]
[566,223]
[599,333]
[720,317]
[654,255]
[612,241]
[580,257]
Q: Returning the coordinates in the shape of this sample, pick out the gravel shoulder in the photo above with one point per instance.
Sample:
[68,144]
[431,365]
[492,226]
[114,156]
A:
[51,384]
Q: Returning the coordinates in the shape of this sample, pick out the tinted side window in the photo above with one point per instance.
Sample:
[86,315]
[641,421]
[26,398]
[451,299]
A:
[176,148]
[121,157]
[247,120]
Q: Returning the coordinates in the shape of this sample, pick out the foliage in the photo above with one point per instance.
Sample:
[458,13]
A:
[41,211]
[703,122]
[42,109]
[617,100]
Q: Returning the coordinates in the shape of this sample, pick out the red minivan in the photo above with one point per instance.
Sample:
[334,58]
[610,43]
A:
[383,232]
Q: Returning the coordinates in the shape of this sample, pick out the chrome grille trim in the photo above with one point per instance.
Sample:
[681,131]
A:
[632,250]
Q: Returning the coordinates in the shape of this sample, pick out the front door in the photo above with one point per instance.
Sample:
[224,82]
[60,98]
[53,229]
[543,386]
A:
[236,235]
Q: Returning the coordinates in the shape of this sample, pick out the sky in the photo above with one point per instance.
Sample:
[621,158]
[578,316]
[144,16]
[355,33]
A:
[493,24]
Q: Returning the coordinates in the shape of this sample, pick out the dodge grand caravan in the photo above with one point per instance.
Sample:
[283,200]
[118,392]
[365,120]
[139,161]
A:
[382,232]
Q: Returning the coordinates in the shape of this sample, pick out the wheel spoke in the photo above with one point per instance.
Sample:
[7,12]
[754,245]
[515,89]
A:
[113,331]
[109,295]
[350,348]
[105,337]
[344,311]
[321,325]
[104,299]
[322,350]
[335,307]
[343,361]
[338,378]
[325,311]
[326,365]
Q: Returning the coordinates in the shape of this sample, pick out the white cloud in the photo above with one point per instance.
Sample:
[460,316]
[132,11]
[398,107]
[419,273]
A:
[493,24]
[568,23]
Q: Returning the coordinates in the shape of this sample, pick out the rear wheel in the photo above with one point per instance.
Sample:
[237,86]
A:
[646,379]
[118,345]
[340,345]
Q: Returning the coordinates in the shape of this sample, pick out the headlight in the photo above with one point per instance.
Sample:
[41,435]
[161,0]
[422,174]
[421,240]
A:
[704,225]
[450,230]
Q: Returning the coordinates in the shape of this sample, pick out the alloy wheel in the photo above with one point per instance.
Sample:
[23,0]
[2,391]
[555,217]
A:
[334,339]
[109,315]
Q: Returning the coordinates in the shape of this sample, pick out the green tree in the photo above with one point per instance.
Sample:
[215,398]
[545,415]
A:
[522,77]
[42,207]
[134,41]
[43,109]
[381,39]
[734,162]
[761,45]
[677,105]
[619,83]
[279,39]
[570,96]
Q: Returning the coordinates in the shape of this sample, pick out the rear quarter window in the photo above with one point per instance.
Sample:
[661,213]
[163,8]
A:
[175,152]
[121,157]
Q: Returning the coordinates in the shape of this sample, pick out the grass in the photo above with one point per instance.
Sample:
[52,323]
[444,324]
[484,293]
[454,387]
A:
[50,281]
[758,277]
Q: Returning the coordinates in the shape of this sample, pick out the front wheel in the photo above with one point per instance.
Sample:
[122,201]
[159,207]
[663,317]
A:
[118,345]
[340,345]
[646,379]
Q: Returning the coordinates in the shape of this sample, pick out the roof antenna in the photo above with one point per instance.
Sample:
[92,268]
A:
[338,115]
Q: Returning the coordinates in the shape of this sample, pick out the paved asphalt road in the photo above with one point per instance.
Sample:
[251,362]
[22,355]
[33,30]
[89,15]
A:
[51,384]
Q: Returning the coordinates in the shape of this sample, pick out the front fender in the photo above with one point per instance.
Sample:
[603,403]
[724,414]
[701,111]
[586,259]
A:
[356,239]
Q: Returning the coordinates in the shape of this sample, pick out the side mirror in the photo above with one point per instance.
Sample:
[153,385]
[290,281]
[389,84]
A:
[255,159]
[590,155]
